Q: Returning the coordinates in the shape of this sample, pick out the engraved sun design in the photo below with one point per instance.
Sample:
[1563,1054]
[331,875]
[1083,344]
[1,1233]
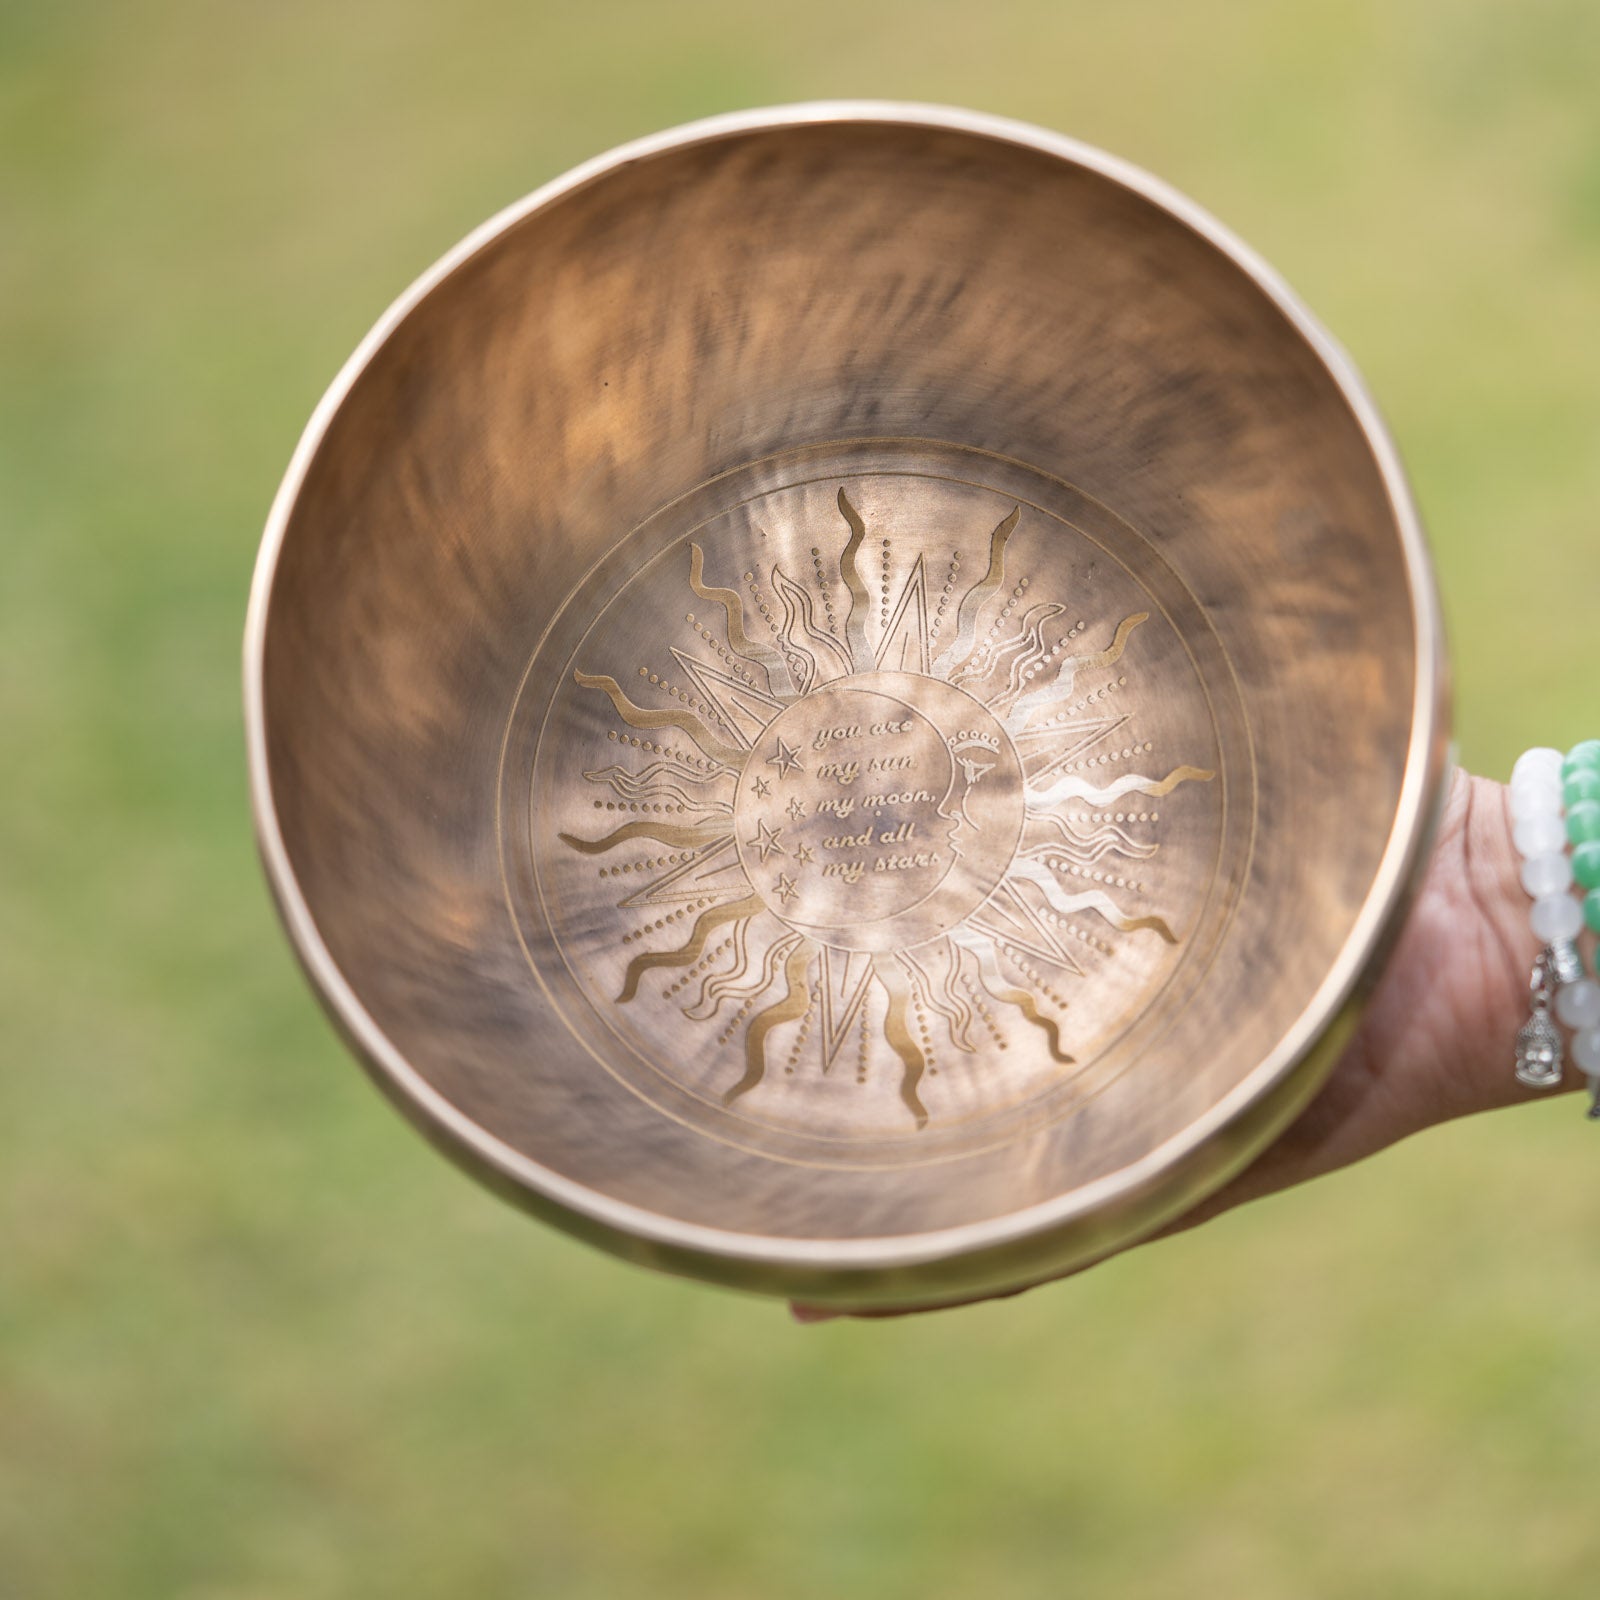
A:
[884,812]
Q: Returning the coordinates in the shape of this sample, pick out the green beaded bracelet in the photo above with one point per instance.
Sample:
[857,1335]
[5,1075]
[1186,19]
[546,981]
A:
[1583,822]
[1584,784]
[1586,865]
[1580,756]
[1580,790]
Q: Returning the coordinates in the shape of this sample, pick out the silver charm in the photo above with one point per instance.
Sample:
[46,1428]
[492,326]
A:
[1539,1051]
[1566,965]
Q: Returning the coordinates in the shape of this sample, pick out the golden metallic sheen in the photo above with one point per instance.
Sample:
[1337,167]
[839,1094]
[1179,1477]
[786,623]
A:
[843,701]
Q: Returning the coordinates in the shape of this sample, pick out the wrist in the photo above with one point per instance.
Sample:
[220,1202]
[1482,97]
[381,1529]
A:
[1491,866]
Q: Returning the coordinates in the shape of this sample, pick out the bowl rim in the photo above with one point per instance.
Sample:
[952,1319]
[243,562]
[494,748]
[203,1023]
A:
[1069,1229]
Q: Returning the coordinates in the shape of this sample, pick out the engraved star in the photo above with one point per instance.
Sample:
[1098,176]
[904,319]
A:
[802,853]
[796,808]
[786,890]
[787,759]
[766,841]
[762,788]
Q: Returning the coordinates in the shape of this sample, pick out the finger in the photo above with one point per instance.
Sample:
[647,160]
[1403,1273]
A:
[805,1314]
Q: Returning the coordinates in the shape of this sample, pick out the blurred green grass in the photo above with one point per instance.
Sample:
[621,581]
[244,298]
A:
[254,1340]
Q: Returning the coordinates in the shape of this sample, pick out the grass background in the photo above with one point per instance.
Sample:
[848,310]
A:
[255,1341]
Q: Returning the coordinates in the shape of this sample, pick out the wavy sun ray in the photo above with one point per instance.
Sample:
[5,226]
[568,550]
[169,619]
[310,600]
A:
[1084,849]
[689,952]
[716,986]
[761,655]
[1072,787]
[796,973]
[897,1031]
[636,789]
[672,833]
[828,659]
[983,952]
[1096,900]
[1030,654]
[685,721]
[749,988]
[977,597]
[855,624]
[1061,686]
[941,999]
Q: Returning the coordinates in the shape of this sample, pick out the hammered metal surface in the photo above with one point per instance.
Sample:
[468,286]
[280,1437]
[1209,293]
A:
[839,678]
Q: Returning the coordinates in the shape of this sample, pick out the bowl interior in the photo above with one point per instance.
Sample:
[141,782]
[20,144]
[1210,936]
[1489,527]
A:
[833,681]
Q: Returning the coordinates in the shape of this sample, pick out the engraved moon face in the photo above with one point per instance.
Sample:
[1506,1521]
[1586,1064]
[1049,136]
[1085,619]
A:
[879,811]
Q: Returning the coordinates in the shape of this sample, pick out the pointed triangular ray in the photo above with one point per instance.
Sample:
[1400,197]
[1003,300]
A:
[1007,916]
[904,647]
[742,708]
[1067,741]
[845,976]
[693,879]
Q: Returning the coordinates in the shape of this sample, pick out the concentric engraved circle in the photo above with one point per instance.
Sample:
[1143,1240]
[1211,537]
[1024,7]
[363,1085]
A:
[879,811]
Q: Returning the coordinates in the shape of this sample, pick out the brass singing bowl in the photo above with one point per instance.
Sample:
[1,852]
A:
[844,701]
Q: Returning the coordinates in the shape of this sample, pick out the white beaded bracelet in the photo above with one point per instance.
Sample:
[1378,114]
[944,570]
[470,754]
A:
[1551,804]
